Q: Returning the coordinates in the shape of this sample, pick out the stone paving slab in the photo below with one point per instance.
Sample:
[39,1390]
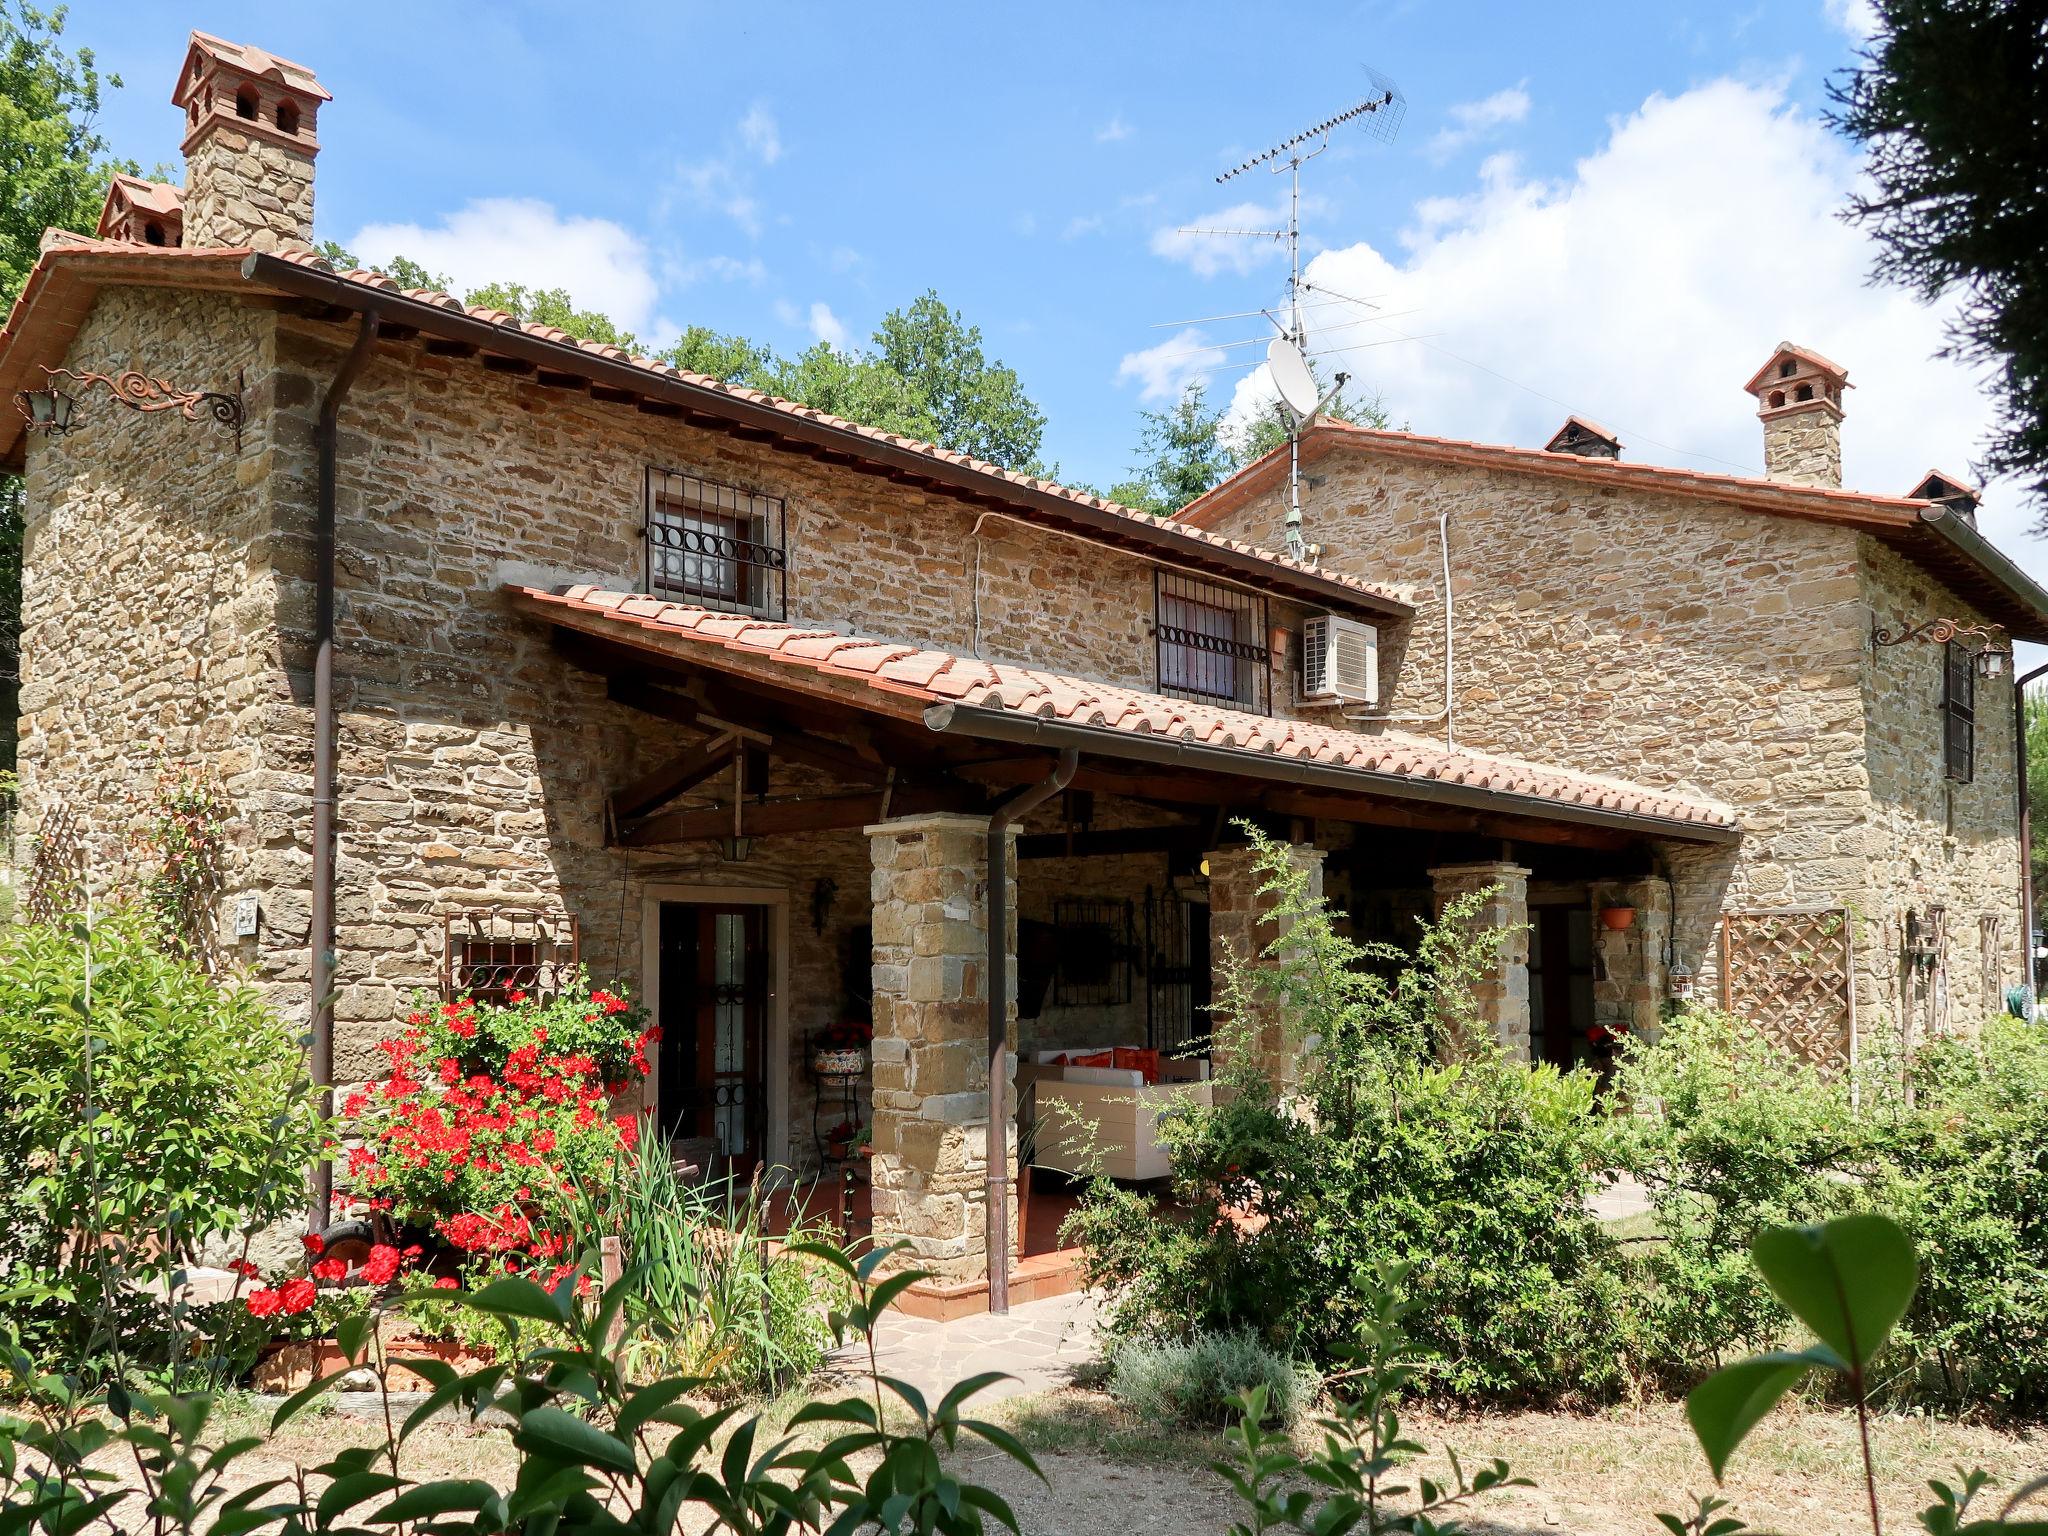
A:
[1038,1343]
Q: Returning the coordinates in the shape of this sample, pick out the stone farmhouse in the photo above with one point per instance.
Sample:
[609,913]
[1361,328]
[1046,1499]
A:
[512,651]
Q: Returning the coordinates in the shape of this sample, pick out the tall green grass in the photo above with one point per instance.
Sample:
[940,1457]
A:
[714,1295]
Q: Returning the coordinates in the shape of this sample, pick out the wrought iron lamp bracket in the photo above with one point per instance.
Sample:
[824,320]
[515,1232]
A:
[1941,631]
[137,391]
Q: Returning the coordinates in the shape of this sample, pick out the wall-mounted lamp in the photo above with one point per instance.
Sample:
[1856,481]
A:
[54,411]
[1992,660]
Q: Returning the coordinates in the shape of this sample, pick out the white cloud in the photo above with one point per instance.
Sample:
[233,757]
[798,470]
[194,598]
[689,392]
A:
[1082,224]
[1474,120]
[604,266]
[1858,18]
[759,133]
[1645,288]
[1165,370]
[1113,131]
[1212,253]
[828,327]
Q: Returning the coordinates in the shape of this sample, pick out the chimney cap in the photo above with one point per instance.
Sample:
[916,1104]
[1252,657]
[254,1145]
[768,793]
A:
[1806,363]
[1949,490]
[1585,437]
[247,59]
[134,204]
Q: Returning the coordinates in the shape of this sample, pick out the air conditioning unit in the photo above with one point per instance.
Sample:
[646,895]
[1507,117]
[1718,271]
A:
[1340,661]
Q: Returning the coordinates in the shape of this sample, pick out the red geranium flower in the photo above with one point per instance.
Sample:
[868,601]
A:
[330,1269]
[298,1295]
[314,1243]
[264,1303]
[243,1268]
[383,1264]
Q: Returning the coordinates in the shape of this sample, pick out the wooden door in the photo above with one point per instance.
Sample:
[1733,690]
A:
[714,1009]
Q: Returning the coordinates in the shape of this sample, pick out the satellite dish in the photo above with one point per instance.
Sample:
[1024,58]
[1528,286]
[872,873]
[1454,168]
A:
[1291,377]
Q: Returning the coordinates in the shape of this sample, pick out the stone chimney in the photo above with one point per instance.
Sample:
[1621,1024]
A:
[249,146]
[1799,400]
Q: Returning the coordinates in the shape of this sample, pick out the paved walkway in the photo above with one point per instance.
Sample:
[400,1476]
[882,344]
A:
[1040,1344]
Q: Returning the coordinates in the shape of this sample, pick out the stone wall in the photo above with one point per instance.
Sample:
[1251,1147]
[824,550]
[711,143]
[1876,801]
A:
[148,595]
[1935,842]
[1682,644]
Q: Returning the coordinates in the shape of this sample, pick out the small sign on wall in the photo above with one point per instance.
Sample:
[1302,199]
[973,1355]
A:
[247,913]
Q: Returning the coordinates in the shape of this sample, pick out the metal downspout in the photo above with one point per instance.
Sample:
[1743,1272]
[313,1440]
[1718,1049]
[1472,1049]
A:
[2027,892]
[997,1233]
[320,934]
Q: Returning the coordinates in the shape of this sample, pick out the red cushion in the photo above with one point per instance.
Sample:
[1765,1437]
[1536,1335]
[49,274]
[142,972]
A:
[1093,1059]
[1129,1059]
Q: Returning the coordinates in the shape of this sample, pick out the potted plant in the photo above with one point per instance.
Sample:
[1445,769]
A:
[842,1050]
[1618,917]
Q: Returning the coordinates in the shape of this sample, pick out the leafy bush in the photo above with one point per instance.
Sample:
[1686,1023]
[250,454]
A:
[1736,1138]
[150,1111]
[1476,1171]
[597,1454]
[1195,1381]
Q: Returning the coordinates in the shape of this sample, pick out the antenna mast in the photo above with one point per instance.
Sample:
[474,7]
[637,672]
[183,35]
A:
[1380,114]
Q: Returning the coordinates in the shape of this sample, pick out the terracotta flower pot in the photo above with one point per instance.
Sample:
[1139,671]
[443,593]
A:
[1618,918]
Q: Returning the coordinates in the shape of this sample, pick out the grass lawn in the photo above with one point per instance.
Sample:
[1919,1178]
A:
[1597,1475]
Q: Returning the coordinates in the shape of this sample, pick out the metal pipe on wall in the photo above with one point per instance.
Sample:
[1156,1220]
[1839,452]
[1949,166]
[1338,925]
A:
[320,934]
[2027,892]
[996,1235]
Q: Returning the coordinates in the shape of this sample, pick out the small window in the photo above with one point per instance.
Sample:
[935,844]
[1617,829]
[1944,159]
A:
[715,544]
[1787,368]
[245,104]
[492,970]
[287,117]
[1211,642]
[1959,712]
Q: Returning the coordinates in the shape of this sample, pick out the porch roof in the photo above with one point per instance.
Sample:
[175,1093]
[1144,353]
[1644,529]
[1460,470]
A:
[967,697]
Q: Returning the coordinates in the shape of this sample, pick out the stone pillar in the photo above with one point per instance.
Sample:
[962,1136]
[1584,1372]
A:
[1630,978]
[931,1101]
[1241,929]
[1502,994]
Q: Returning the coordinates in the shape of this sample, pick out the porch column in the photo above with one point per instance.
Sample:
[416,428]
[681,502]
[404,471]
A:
[1630,982]
[1241,928]
[1502,994]
[931,1101]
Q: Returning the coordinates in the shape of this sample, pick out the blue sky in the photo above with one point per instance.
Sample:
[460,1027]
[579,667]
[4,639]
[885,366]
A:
[1617,210]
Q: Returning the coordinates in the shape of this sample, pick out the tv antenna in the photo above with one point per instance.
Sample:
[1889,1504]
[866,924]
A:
[1379,114]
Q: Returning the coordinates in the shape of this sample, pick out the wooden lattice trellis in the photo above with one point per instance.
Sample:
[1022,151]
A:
[1791,973]
[55,884]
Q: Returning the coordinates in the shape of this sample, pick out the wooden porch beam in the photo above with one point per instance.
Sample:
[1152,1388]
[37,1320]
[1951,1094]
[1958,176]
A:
[1120,840]
[662,783]
[813,813]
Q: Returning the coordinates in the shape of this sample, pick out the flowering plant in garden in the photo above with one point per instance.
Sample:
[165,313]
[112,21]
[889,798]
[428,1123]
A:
[315,1301]
[489,1114]
[847,1035]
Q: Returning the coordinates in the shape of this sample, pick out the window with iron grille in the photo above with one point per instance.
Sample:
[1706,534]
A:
[1959,712]
[1212,642]
[715,545]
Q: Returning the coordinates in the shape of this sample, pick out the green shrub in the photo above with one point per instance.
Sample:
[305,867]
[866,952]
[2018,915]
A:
[1735,1138]
[1195,1381]
[150,1110]
[1475,1172]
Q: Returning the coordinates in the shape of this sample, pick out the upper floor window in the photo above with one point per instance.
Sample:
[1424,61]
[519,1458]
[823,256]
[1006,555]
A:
[1959,711]
[714,544]
[1212,643]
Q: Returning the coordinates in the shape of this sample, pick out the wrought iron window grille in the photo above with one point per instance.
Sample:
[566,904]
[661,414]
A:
[1095,936]
[716,545]
[1959,712]
[493,952]
[1211,643]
